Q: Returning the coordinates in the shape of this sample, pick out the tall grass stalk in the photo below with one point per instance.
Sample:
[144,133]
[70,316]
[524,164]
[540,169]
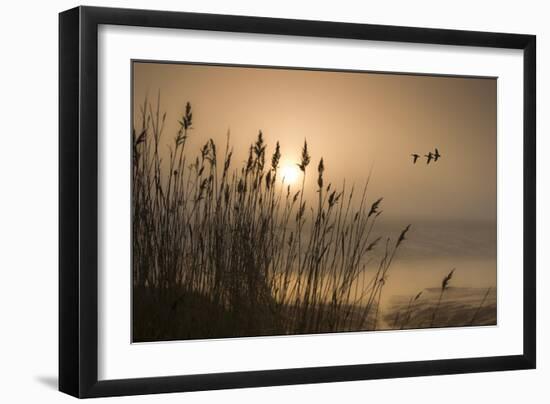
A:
[444,286]
[480,306]
[244,243]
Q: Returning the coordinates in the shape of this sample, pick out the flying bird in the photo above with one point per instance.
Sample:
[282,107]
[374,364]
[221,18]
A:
[436,155]
[415,157]
[429,157]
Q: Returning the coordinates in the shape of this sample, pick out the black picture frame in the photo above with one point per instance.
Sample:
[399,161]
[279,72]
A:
[78,201]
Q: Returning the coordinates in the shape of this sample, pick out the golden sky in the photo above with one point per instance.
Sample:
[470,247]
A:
[355,121]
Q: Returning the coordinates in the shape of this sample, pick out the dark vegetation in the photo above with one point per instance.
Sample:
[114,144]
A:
[225,252]
[459,307]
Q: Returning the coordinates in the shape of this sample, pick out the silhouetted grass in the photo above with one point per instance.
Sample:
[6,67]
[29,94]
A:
[460,307]
[223,251]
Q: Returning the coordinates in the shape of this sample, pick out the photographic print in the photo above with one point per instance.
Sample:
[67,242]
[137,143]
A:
[281,201]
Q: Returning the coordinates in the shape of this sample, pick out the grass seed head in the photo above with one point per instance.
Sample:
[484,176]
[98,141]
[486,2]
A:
[306,158]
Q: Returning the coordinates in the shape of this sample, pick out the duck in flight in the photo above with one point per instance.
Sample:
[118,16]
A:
[429,157]
[436,155]
[415,157]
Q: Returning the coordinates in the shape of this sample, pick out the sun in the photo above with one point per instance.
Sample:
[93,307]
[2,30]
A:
[290,174]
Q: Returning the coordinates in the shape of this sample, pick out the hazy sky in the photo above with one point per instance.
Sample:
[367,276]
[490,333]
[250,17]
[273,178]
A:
[355,121]
[358,121]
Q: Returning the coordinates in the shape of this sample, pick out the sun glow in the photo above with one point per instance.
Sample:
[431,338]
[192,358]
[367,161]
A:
[290,174]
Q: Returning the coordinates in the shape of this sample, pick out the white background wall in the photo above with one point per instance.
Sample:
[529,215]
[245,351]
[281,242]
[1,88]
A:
[28,199]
